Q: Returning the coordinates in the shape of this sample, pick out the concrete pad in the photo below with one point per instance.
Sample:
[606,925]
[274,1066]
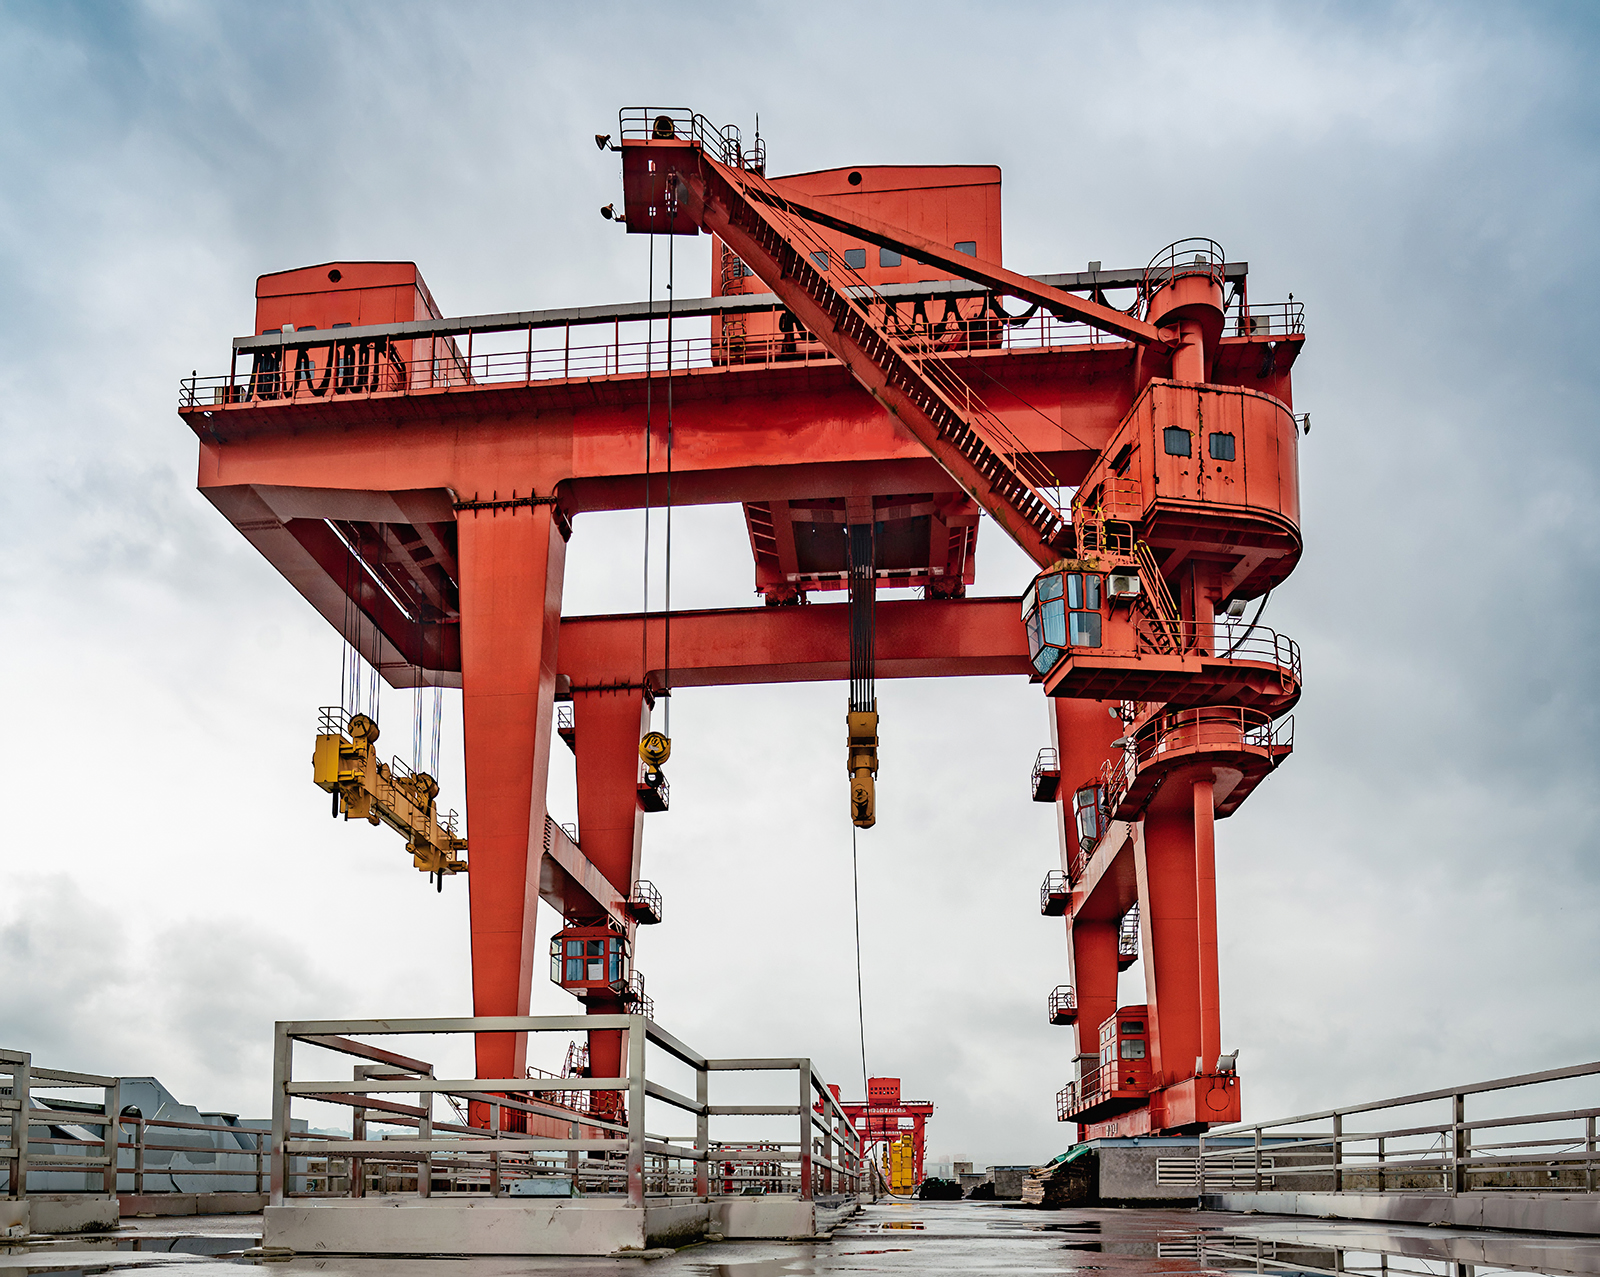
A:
[1525,1212]
[480,1226]
[132,1204]
[767,1218]
[72,1212]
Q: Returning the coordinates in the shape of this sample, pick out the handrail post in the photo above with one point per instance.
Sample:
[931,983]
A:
[282,1071]
[425,1121]
[636,1111]
[1338,1152]
[1588,1154]
[1380,1163]
[138,1158]
[1460,1143]
[805,1130]
[358,1131]
[1258,1158]
[1200,1171]
[702,1133]
[494,1153]
[110,1136]
[22,1092]
[527,367]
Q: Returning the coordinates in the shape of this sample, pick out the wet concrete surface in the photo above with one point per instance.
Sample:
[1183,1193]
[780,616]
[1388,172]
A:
[896,1237]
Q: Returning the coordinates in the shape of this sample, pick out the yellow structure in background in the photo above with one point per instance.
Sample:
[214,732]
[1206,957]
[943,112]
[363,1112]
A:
[900,1166]
[346,765]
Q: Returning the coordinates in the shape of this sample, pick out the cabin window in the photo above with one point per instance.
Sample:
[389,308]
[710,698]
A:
[1221,446]
[1088,806]
[888,257]
[1083,593]
[855,258]
[967,246]
[821,259]
[1133,1048]
[1176,441]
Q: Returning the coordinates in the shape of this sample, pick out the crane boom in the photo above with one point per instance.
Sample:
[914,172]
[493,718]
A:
[916,387]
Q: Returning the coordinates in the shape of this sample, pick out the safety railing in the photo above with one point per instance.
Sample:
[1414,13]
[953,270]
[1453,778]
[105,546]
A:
[644,903]
[1128,938]
[665,124]
[509,1138]
[1226,640]
[19,1115]
[1054,893]
[1533,1132]
[1045,781]
[1062,1004]
[538,358]
[1186,257]
[54,1150]
[1190,731]
[1281,319]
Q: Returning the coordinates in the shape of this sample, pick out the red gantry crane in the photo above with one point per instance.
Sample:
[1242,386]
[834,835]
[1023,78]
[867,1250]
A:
[417,479]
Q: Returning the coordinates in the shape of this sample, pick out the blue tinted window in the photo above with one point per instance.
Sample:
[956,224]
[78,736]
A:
[1050,586]
[1083,590]
[574,968]
[1053,616]
[855,258]
[1085,629]
[888,257]
[821,259]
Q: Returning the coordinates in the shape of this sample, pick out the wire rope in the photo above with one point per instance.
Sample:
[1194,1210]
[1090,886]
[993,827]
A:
[649,385]
[666,661]
[861,1012]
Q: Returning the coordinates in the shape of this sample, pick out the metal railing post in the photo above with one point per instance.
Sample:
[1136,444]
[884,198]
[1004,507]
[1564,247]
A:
[494,1153]
[358,1131]
[1380,1162]
[21,1090]
[110,1135]
[1258,1159]
[1460,1143]
[702,1132]
[1338,1152]
[282,1072]
[805,1131]
[827,1149]
[138,1158]
[1588,1155]
[425,1131]
[258,1154]
[635,1081]
[1200,1171]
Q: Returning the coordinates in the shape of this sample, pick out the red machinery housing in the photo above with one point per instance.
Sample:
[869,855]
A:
[420,491]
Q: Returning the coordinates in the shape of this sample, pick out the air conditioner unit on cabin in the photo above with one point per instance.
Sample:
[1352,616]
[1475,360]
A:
[1123,583]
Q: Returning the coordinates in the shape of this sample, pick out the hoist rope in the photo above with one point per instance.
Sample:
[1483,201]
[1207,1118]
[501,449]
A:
[649,384]
[861,1013]
[863,565]
[666,660]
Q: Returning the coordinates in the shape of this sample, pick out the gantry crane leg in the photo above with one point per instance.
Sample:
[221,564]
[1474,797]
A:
[1082,732]
[609,723]
[512,564]
[1176,868]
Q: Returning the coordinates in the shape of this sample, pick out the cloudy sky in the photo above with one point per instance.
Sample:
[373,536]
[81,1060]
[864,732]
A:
[1408,903]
